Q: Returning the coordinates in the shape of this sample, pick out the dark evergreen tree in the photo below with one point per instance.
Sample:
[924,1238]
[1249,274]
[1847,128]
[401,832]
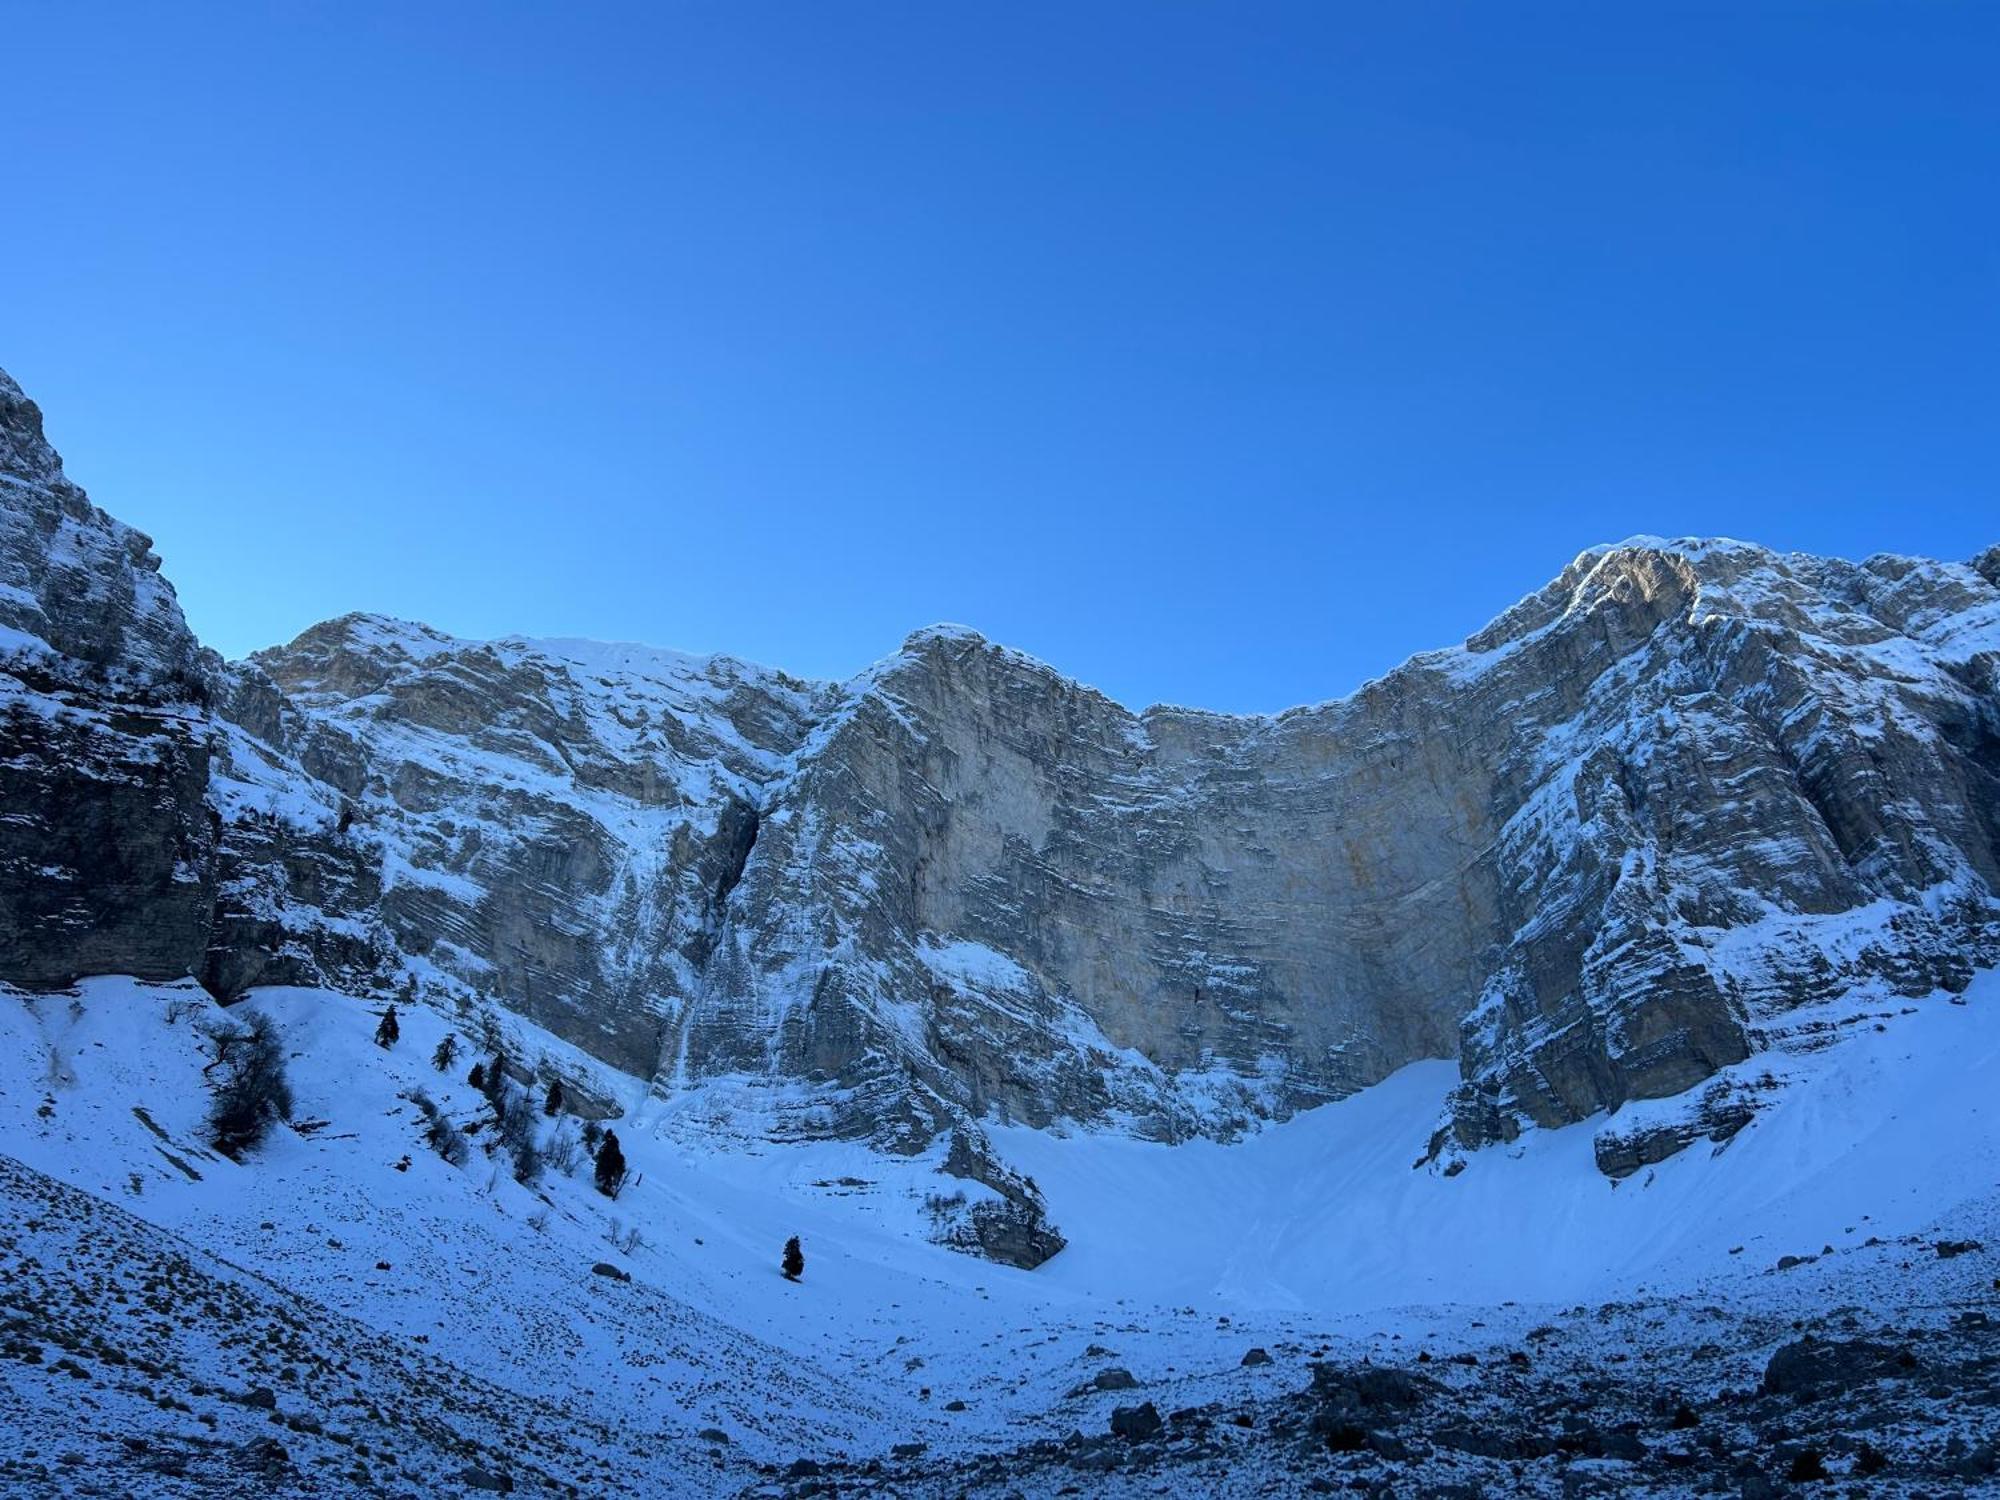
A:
[251,1089]
[389,1031]
[554,1103]
[591,1136]
[795,1259]
[447,1052]
[610,1165]
[477,1078]
[496,1078]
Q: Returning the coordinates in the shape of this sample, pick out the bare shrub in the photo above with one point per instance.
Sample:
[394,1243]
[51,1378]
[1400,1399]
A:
[564,1151]
[443,1137]
[251,1089]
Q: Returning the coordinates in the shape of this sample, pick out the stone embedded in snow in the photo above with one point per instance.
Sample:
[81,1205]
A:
[1810,1367]
[1136,1423]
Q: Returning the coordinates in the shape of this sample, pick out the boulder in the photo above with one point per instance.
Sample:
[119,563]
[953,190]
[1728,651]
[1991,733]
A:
[1136,1423]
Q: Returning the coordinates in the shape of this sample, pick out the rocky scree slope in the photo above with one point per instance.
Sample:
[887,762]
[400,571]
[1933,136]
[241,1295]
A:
[1599,852]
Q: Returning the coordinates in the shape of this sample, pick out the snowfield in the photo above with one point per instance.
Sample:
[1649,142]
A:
[395,1324]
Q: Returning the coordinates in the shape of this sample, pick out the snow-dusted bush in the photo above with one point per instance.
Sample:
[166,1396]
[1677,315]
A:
[440,1134]
[564,1151]
[249,1082]
[515,1115]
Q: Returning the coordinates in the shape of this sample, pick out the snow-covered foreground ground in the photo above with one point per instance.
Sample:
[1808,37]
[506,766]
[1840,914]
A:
[708,1372]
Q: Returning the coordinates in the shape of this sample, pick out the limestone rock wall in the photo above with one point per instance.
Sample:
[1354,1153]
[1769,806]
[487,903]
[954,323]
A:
[1599,853]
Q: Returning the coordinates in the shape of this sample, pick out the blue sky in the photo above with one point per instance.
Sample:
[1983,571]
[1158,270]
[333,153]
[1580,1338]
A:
[1218,354]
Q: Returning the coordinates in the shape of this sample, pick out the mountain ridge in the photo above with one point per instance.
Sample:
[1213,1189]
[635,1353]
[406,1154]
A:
[1488,638]
[1599,853]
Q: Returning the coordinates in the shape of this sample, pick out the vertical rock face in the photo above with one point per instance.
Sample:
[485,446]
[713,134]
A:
[1683,789]
[107,841]
[1600,853]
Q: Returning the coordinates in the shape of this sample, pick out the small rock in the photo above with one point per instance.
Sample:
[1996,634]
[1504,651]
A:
[1977,1464]
[1345,1437]
[1806,1466]
[475,1478]
[261,1398]
[713,1435]
[1256,1357]
[1810,1368]
[1114,1379]
[1136,1423]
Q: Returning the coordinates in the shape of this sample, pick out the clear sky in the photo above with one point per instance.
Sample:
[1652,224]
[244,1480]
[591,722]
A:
[1218,354]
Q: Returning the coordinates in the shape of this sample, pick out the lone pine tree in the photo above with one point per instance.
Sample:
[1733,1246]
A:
[610,1166]
[554,1103]
[389,1031]
[447,1052]
[795,1259]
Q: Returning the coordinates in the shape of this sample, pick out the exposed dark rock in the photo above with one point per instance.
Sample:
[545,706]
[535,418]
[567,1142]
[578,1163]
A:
[1136,1423]
[1810,1367]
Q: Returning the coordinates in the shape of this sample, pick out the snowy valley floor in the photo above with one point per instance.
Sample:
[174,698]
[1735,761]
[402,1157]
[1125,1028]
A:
[347,1313]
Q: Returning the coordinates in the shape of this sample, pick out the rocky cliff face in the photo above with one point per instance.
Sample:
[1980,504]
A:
[1681,791]
[107,841]
[1602,853]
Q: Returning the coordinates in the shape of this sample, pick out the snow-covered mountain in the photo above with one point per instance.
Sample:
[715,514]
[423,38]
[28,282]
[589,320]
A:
[1600,853]
[1368,1038]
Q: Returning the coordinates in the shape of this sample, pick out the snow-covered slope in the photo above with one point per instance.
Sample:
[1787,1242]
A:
[448,1319]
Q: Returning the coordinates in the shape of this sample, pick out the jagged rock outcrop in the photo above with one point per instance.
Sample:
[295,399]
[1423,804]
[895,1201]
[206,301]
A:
[560,824]
[1600,853]
[107,841]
